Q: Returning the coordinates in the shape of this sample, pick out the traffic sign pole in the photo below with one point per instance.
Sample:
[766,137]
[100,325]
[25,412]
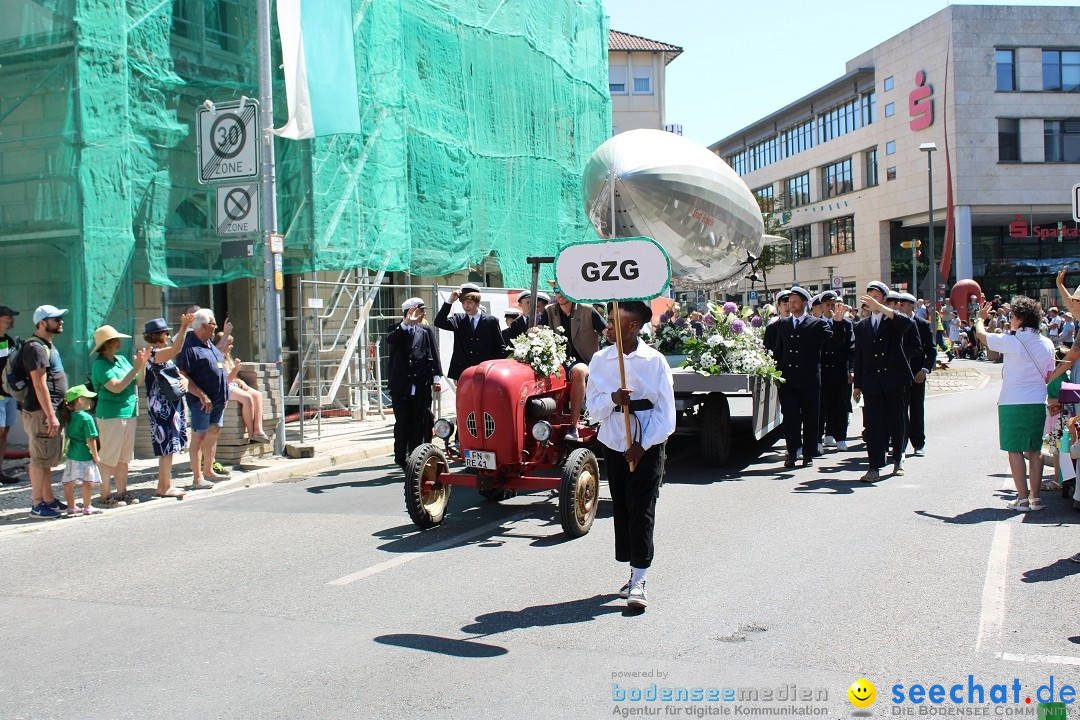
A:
[271,275]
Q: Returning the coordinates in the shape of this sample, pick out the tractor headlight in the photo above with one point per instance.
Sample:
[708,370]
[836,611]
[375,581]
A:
[443,429]
[541,431]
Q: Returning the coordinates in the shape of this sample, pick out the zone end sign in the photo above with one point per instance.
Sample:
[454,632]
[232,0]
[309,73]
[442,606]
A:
[228,147]
[617,269]
[1076,203]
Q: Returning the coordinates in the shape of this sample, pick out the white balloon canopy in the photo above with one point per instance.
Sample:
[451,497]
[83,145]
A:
[664,186]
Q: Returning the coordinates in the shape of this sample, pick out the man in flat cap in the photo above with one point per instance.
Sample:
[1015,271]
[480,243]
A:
[882,377]
[521,323]
[922,356]
[477,335]
[510,317]
[415,373]
[837,365]
[798,356]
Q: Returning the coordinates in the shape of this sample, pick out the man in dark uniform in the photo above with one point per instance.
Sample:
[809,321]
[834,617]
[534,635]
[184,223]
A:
[771,339]
[415,372]
[477,335]
[837,364]
[882,376]
[922,356]
[798,357]
[510,317]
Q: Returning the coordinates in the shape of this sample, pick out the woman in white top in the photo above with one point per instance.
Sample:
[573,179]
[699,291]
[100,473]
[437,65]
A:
[1029,362]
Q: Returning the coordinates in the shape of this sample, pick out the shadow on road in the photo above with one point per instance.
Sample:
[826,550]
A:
[563,613]
[1055,571]
[829,486]
[972,517]
[391,475]
[442,646]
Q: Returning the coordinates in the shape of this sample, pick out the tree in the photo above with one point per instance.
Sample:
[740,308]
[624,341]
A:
[772,213]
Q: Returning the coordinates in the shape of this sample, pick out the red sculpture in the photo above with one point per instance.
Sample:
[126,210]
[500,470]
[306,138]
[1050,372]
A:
[961,294]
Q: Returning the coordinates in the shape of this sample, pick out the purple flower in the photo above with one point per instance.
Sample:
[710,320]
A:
[730,308]
[666,316]
[680,321]
[737,326]
[708,321]
[756,321]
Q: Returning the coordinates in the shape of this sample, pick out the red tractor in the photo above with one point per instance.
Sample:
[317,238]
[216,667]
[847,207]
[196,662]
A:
[511,436]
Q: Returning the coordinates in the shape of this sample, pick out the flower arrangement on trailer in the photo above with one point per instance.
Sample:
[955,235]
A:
[541,348]
[732,343]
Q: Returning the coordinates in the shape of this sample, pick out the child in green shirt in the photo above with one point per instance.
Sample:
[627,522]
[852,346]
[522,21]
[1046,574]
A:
[82,454]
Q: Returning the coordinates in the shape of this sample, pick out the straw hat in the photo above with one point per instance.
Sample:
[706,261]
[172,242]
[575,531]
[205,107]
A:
[104,334]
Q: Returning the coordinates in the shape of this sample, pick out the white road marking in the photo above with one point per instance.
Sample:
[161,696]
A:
[992,617]
[1056,659]
[441,545]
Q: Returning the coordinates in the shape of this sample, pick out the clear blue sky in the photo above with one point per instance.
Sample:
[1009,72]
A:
[742,60]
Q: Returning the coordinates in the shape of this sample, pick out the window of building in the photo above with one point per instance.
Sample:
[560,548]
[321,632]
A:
[836,179]
[1061,70]
[643,79]
[800,242]
[796,139]
[1006,70]
[888,84]
[869,108]
[839,120]
[1008,140]
[890,174]
[890,147]
[871,168]
[798,190]
[617,79]
[890,109]
[216,23]
[1062,140]
[840,235]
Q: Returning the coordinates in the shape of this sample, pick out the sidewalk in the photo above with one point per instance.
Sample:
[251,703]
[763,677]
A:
[374,439]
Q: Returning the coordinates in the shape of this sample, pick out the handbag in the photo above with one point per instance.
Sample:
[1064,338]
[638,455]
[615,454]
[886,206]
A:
[168,381]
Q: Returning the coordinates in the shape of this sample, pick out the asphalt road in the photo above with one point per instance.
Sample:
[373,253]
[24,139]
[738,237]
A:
[317,598]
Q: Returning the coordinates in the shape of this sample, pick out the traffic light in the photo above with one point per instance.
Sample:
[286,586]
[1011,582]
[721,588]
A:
[908,244]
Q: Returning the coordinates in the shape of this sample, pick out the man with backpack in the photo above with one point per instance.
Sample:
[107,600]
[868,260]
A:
[40,361]
[9,408]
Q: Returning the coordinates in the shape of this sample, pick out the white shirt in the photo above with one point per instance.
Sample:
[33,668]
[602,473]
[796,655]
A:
[648,376]
[1023,376]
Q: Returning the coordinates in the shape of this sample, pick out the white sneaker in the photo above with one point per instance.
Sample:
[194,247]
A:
[829,441]
[842,445]
[636,598]
[798,453]
[820,449]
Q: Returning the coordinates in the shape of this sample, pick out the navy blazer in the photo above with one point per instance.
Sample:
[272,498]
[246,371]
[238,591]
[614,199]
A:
[414,359]
[471,347]
[838,354]
[881,363]
[798,354]
[919,346]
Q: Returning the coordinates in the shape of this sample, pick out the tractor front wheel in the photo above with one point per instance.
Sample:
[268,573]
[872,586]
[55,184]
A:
[579,492]
[425,497]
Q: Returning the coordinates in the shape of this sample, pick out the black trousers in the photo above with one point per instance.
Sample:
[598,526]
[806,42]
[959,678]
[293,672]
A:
[916,425]
[412,422]
[836,409]
[801,406]
[884,421]
[633,498]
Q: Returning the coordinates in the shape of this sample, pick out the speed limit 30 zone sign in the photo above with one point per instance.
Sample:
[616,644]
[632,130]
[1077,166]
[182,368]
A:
[228,146]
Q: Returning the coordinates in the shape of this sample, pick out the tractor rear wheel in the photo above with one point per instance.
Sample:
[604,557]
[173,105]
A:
[579,492]
[425,497]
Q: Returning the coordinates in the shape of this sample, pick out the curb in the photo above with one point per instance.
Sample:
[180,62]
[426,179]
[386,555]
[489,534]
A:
[238,481]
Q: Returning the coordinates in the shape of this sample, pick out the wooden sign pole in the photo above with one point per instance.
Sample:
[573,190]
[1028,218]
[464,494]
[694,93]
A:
[622,377]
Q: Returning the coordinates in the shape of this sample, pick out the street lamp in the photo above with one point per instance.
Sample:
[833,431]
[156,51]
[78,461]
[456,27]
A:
[929,148]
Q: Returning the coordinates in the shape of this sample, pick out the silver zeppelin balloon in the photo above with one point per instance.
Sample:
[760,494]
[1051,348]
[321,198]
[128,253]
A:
[686,198]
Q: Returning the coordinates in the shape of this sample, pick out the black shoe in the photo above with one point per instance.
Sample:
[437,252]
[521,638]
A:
[6,479]
[872,476]
[790,462]
[807,461]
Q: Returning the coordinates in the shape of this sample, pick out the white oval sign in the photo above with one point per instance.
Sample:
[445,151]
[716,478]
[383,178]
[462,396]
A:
[618,269]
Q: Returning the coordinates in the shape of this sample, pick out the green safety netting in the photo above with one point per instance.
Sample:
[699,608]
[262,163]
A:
[478,117]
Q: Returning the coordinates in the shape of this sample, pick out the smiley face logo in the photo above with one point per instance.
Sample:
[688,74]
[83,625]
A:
[862,693]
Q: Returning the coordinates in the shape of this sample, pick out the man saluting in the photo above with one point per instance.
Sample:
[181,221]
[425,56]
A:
[651,401]
[477,335]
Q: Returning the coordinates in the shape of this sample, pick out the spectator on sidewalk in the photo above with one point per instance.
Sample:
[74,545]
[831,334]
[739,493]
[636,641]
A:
[248,398]
[9,409]
[415,372]
[202,363]
[115,379]
[82,455]
[1029,364]
[41,361]
[168,423]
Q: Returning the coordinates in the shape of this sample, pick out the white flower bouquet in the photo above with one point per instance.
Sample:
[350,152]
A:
[541,348]
[731,343]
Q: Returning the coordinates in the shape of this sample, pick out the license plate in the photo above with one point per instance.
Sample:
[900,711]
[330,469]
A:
[480,459]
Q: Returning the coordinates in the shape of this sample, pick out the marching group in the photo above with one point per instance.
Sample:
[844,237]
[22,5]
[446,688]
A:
[93,424]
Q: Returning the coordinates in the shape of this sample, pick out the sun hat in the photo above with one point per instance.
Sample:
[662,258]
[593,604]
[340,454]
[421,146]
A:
[155,326]
[104,334]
